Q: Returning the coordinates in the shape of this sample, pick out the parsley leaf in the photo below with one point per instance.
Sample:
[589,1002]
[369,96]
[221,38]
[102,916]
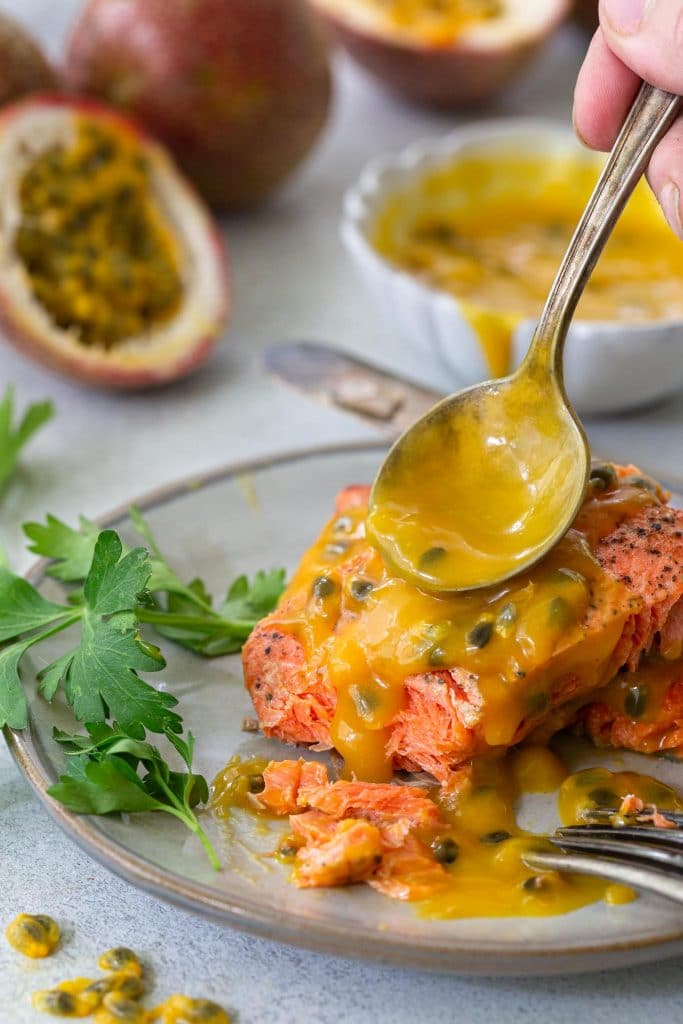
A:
[13,439]
[100,675]
[72,550]
[108,771]
[179,611]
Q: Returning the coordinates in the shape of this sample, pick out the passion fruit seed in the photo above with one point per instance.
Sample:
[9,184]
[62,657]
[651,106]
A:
[193,1011]
[360,589]
[561,615]
[99,256]
[445,850]
[324,587]
[119,1007]
[535,883]
[493,838]
[56,1002]
[480,635]
[120,959]
[635,701]
[130,986]
[256,783]
[642,482]
[431,557]
[604,798]
[603,476]
[34,935]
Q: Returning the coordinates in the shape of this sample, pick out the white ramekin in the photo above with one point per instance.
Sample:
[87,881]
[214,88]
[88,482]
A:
[609,366]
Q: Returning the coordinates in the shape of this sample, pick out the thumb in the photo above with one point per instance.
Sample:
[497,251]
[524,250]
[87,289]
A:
[647,35]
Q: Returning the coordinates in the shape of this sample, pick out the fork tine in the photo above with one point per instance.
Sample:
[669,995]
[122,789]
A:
[655,880]
[645,852]
[662,837]
[606,814]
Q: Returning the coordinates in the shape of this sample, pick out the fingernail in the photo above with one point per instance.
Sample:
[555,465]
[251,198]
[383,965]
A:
[624,16]
[670,199]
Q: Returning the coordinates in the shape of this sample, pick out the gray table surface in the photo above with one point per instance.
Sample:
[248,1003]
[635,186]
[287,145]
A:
[291,281]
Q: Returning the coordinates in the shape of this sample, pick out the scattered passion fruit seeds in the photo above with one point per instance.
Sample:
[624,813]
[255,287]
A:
[34,935]
[112,999]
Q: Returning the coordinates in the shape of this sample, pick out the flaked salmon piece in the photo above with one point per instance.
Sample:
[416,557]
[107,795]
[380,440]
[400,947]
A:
[292,786]
[632,805]
[281,787]
[355,831]
[350,853]
[409,872]
[438,726]
[377,802]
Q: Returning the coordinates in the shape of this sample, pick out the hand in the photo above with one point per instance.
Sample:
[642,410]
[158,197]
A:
[637,39]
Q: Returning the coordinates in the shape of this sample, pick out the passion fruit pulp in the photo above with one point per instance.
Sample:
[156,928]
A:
[443,53]
[240,107]
[111,269]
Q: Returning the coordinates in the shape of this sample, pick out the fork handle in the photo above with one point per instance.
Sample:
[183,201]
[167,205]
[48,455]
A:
[652,114]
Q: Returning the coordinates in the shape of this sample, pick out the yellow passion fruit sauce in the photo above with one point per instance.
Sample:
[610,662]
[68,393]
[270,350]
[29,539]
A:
[95,245]
[370,630]
[492,231]
[483,847]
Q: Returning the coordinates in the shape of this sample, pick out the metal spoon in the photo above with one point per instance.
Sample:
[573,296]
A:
[491,478]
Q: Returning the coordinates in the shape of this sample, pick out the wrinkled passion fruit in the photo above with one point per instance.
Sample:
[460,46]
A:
[237,89]
[111,269]
[444,53]
[23,66]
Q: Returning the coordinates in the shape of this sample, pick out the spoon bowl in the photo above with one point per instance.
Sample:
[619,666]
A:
[488,481]
[482,486]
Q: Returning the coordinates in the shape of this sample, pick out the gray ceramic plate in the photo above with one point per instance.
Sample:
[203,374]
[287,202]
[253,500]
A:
[262,515]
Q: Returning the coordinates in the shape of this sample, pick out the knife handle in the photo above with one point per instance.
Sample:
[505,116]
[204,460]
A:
[378,397]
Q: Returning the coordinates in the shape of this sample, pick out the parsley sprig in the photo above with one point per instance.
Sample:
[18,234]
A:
[14,438]
[182,612]
[103,776]
[100,675]
[113,767]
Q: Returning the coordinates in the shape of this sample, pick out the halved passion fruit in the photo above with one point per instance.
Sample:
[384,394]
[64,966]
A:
[443,52]
[111,269]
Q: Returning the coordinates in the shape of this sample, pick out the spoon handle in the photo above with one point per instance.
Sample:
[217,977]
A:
[652,114]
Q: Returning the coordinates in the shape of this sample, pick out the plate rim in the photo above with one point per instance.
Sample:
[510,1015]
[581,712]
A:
[442,956]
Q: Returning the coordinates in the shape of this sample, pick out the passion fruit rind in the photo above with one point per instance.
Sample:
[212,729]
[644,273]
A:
[24,69]
[240,108]
[471,69]
[112,270]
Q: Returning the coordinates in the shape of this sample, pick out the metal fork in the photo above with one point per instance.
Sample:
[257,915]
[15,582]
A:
[636,853]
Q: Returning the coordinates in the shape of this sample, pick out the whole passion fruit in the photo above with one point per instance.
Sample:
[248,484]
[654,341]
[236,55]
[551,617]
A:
[111,269]
[23,66]
[238,89]
[443,53]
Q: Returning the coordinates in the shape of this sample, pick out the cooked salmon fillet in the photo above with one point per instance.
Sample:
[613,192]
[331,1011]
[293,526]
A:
[355,832]
[440,717]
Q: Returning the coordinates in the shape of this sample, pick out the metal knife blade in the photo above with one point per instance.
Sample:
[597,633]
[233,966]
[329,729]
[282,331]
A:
[382,399]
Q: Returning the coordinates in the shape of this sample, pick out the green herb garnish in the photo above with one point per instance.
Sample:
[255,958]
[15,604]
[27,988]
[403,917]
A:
[181,612]
[108,771]
[99,675]
[14,438]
